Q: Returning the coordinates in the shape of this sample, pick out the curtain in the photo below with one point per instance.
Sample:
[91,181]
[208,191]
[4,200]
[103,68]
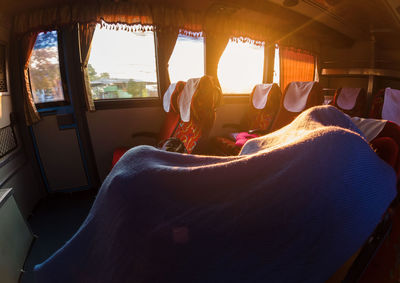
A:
[166,39]
[86,32]
[31,113]
[215,46]
[295,65]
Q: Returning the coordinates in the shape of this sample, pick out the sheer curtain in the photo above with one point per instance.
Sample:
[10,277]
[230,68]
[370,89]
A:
[27,44]
[86,32]
[295,65]
[166,39]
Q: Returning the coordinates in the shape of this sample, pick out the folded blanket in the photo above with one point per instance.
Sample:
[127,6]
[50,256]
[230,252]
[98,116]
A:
[293,207]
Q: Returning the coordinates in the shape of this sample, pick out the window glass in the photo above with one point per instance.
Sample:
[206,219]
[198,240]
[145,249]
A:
[44,69]
[187,59]
[276,78]
[241,67]
[122,64]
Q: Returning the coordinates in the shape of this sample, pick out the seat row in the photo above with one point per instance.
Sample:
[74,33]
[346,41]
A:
[190,113]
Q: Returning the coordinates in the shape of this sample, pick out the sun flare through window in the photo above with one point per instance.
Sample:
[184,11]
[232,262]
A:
[241,67]
[187,59]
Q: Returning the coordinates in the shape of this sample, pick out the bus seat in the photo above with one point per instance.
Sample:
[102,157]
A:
[387,145]
[386,105]
[384,138]
[297,97]
[170,105]
[262,110]
[197,103]
[384,264]
[351,101]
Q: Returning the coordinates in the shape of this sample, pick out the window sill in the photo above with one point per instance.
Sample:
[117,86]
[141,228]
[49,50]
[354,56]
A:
[127,103]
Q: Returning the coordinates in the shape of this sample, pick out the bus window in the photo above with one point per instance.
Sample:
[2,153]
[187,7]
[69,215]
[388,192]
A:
[187,59]
[240,67]
[122,64]
[276,77]
[44,70]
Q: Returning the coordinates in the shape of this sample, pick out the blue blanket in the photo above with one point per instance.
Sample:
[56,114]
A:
[293,207]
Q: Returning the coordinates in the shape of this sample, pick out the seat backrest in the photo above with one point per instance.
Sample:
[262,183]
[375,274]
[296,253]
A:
[197,104]
[386,105]
[170,105]
[297,97]
[351,101]
[264,105]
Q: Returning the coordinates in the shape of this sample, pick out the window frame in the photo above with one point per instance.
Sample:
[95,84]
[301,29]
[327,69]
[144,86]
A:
[134,102]
[63,77]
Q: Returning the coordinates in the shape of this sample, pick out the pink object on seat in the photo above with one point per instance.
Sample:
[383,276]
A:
[243,137]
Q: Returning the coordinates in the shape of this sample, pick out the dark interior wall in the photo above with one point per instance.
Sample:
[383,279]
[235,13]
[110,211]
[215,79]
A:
[359,55]
[113,128]
[16,169]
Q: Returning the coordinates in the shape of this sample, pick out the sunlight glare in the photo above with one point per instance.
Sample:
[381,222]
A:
[124,54]
[276,78]
[241,67]
[187,59]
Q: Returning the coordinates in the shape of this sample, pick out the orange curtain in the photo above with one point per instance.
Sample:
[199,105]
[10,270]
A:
[215,46]
[31,113]
[166,40]
[86,32]
[295,65]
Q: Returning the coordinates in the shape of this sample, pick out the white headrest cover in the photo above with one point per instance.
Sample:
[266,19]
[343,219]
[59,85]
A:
[369,127]
[348,97]
[296,96]
[167,97]
[186,98]
[391,105]
[260,95]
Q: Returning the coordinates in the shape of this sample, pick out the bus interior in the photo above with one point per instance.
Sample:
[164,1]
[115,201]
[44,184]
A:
[199,141]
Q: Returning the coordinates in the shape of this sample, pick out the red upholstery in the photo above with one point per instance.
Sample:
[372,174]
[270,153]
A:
[255,119]
[389,150]
[359,107]
[171,117]
[202,114]
[377,105]
[385,264]
[285,116]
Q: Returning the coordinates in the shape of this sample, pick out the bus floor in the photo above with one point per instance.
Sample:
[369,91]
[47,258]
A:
[54,221]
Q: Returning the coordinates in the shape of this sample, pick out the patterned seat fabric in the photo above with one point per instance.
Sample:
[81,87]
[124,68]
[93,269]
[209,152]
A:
[351,101]
[205,99]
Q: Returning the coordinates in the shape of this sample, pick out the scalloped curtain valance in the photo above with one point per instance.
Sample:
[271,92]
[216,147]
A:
[142,17]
